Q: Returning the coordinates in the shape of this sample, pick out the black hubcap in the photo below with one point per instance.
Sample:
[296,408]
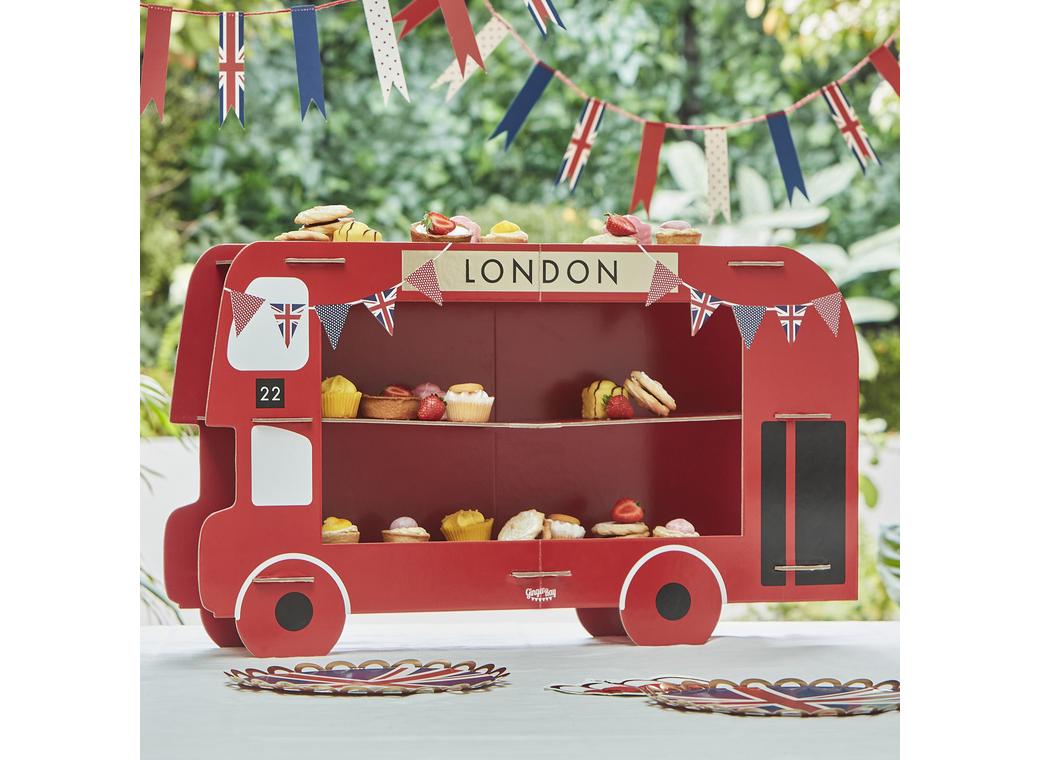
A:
[294,611]
[673,601]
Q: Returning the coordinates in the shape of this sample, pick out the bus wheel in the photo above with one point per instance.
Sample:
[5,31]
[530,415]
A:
[601,621]
[672,595]
[291,607]
[222,630]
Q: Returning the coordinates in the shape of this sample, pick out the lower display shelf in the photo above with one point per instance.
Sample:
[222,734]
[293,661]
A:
[537,425]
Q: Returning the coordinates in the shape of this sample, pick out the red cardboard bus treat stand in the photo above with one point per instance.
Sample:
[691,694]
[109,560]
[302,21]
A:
[760,454]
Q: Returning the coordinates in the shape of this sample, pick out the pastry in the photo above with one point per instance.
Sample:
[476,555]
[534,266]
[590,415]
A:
[353,231]
[468,402]
[469,224]
[677,232]
[321,215]
[594,398]
[397,390]
[467,525]
[644,232]
[339,397]
[437,228]
[522,527]
[505,232]
[609,240]
[405,530]
[389,407]
[678,528]
[620,530]
[618,230]
[649,393]
[558,526]
[337,530]
[318,237]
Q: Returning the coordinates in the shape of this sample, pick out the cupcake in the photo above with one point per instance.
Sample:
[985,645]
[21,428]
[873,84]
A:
[505,232]
[469,224]
[336,530]
[437,228]
[339,397]
[468,402]
[467,525]
[678,528]
[522,527]
[405,530]
[678,232]
[557,526]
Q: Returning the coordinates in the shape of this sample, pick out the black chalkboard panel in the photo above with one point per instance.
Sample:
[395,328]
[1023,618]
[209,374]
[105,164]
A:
[774,498]
[819,487]
[270,393]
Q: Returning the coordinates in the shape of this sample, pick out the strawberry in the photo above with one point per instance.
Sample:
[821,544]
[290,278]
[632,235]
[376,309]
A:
[437,224]
[396,390]
[431,408]
[618,408]
[626,510]
[619,226]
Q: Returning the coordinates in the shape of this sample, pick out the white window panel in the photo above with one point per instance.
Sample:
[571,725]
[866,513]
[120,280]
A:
[282,467]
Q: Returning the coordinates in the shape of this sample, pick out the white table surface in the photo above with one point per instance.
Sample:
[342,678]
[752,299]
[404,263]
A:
[187,711]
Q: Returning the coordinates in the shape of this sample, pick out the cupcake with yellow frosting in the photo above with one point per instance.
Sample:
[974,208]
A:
[339,397]
[505,232]
[468,402]
[337,530]
[467,525]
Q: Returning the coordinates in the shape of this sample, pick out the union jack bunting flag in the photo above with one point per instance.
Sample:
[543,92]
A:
[231,66]
[791,316]
[382,307]
[580,146]
[543,11]
[850,127]
[288,315]
[702,306]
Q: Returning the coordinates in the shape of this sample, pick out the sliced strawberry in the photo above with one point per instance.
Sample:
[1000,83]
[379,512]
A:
[396,390]
[431,408]
[619,408]
[437,224]
[619,226]
[626,510]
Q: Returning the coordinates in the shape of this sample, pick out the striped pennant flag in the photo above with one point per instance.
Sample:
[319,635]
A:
[543,11]
[580,146]
[849,126]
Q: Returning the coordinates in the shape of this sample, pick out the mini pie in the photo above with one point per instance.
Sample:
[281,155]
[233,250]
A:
[522,527]
[620,530]
[562,527]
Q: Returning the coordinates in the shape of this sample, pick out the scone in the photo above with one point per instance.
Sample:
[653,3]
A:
[620,530]
[523,526]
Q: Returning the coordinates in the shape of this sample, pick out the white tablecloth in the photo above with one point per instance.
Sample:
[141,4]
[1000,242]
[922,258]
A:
[187,711]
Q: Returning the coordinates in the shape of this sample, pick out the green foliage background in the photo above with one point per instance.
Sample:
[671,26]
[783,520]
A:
[700,61]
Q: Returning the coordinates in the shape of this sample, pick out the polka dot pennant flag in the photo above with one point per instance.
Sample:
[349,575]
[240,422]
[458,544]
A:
[244,307]
[488,38]
[332,317]
[664,281]
[829,308]
[716,151]
[424,279]
[384,48]
[748,320]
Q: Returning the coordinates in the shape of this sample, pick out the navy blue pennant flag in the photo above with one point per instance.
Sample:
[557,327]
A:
[524,101]
[786,155]
[308,60]
[332,317]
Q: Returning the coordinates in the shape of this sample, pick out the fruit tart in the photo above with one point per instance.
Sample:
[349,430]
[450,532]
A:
[395,403]
[626,521]
[437,228]
[338,530]
[557,526]
[618,230]
[678,232]
[505,232]
[405,530]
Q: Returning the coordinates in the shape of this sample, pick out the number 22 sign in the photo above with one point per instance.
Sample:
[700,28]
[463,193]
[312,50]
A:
[270,393]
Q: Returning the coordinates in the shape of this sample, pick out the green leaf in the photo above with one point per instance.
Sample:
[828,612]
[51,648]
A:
[870,310]
[866,245]
[868,363]
[869,491]
[753,191]
[827,183]
[798,218]
[827,255]
[686,163]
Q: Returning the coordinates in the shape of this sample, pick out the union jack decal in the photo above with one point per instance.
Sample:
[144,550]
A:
[231,66]
[791,316]
[288,317]
[850,127]
[543,11]
[702,306]
[580,146]
[382,307]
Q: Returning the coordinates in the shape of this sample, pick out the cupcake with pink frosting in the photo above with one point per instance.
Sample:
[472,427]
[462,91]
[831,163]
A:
[677,528]
[678,232]
[405,530]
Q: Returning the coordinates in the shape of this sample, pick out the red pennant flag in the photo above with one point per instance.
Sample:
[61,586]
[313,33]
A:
[424,279]
[829,308]
[460,28]
[663,282]
[244,307]
[414,14]
[156,57]
[646,172]
[887,65]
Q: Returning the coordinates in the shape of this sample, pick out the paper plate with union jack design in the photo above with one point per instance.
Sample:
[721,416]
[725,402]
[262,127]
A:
[788,697]
[373,677]
[633,687]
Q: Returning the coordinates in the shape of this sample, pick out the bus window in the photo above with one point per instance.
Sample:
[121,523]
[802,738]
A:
[276,337]
[282,467]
